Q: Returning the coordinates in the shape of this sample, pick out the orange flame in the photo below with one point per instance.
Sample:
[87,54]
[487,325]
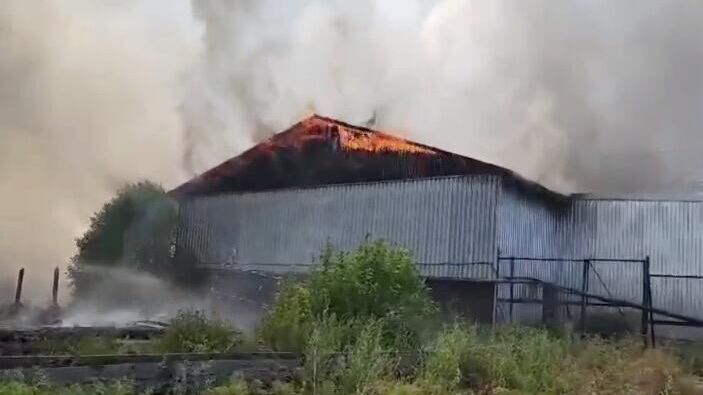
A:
[359,139]
[378,142]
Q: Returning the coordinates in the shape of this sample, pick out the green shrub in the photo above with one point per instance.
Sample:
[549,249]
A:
[192,331]
[375,281]
[289,320]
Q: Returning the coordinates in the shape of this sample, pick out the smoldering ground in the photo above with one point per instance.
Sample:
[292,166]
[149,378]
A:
[124,296]
[119,296]
[582,96]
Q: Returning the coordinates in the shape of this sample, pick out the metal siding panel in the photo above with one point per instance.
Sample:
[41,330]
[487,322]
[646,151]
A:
[670,232]
[526,228]
[441,221]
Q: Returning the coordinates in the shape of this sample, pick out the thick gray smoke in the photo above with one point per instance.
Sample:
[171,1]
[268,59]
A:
[581,95]
[89,96]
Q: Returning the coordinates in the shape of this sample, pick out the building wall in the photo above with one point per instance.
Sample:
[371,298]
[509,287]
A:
[449,223]
[669,232]
[285,230]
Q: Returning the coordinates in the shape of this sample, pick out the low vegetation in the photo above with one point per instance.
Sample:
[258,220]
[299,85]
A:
[18,388]
[194,332]
[363,324]
[376,282]
[190,331]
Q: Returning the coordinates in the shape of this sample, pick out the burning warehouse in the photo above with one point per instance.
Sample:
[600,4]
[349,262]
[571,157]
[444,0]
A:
[484,237]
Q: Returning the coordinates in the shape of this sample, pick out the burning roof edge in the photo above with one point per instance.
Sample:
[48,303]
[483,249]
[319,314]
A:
[516,180]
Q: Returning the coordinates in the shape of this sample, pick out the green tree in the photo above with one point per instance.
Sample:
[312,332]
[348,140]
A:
[135,230]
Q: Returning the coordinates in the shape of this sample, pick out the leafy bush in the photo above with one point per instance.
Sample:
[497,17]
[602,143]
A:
[289,321]
[375,281]
[134,230]
[192,331]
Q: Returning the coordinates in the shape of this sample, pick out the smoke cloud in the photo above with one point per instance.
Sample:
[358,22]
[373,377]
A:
[589,96]
[89,97]
[582,96]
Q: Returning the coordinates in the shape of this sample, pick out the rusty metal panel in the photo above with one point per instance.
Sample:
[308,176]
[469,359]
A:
[447,223]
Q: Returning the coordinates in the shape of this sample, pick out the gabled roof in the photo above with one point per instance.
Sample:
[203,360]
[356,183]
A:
[322,151]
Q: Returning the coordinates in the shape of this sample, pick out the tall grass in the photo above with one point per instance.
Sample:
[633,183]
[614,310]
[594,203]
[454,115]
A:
[361,320]
[192,331]
[365,325]
[19,388]
[346,357]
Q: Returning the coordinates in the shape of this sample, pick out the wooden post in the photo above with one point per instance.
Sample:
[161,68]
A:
[512,288]
[584,291]
[650,304]
[18,290]
[645,301]
[55,288]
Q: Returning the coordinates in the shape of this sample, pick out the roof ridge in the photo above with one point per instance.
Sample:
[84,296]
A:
[347,125]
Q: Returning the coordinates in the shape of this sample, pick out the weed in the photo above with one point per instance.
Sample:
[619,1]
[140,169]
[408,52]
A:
[192,331]
[114,388]
[235,387]
[288,322]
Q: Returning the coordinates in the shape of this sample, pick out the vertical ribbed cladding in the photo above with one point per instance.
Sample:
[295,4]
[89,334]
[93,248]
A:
[527,227]
[670,232]
[447,223]
[194,231]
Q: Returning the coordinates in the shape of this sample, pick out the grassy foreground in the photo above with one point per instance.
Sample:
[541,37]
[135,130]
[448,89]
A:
[365,324]
[459,359]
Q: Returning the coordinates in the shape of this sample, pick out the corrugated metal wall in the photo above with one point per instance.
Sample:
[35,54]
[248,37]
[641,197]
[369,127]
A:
[285,230]
[449,222]
[669,232]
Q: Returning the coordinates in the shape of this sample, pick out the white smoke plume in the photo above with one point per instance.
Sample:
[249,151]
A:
[89,97]
[590,96]
[581,95]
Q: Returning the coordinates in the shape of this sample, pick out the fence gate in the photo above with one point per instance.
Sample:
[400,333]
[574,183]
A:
[600,295]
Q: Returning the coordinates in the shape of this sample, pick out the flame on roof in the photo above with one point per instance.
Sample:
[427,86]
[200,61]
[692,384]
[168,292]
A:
[321,151]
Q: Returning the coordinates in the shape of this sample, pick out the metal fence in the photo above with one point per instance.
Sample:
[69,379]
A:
[578,284]
[526,277]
